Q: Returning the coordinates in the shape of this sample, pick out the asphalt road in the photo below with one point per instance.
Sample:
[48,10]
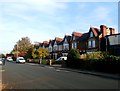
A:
[34,76]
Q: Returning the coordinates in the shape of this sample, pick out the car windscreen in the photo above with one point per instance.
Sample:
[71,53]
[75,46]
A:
[21,59]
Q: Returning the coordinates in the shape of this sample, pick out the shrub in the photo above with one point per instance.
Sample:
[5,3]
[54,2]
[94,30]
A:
[73,54]
[59,62]
[44,61]
[72,58]
[94,56]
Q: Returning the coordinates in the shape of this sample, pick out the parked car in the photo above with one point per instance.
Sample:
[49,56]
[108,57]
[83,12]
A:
[20,60]
[1,62]
[61,58]
[9,59]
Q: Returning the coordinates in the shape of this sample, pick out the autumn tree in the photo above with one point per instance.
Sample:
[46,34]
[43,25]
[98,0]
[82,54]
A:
[42,52]
[22,46]
[34,53]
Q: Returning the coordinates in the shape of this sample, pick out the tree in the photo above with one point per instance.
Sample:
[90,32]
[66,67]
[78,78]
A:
[2,55]
[29,53]
[42,52]
[34,53]
[22,46]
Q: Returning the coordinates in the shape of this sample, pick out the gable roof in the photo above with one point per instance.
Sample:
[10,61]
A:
[68,37]
[84,37]
[57,39]
[95,31]
[77,34]
[51,42]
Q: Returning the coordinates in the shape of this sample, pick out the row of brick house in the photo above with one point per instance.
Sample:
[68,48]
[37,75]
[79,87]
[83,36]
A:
[93,40]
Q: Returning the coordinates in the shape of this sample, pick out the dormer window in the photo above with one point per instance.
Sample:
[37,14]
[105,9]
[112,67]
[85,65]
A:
[91,34]
[74,38]
[108,32]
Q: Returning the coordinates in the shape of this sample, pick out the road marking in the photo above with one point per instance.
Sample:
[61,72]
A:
[58,70]
[2,70]
[32,64]
[49,67]
[66,71]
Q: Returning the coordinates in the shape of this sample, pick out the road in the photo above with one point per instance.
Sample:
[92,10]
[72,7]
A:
[35,76]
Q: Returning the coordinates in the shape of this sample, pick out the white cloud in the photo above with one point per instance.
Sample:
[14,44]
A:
[101,13]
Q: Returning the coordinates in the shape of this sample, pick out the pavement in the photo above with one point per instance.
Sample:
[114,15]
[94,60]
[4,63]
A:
[101,74]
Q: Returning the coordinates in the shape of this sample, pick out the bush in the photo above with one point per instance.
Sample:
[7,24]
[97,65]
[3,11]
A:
[72,58]
[47,61]
[96,61]
[44,61]
[58,62]
[73,54]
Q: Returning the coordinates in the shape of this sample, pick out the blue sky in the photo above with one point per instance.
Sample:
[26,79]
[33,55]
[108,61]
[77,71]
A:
[46,19]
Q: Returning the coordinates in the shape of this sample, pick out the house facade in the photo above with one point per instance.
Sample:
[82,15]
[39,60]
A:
[113,44]
[66,45]
[55,47]
[93,40]
[74,40]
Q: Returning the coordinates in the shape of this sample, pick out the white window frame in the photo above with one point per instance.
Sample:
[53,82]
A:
[60,47]
[91,34]
[89,44]
[74,45]
[93,43]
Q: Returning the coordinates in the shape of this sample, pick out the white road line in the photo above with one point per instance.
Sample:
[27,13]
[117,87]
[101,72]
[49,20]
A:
[48,67]
[2,70]
[32,64]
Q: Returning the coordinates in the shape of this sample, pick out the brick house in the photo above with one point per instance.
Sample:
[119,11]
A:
[95,39]
[82,43]
[50,48]
[55,50]
[113,44]
[66,45]
[74,40]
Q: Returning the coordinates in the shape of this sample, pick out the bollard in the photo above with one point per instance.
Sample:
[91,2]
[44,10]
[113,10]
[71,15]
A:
[50,62]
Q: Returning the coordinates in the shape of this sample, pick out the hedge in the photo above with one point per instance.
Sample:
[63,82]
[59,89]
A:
[96,61]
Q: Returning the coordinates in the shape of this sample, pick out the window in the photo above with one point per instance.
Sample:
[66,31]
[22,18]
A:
[50,49]
[60,47]
[91,43]
[73,37]
[74,45]
[55,47]
[108,32]
[66,46]
[91,34]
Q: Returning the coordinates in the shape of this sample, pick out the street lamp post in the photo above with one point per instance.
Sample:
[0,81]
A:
[17,49]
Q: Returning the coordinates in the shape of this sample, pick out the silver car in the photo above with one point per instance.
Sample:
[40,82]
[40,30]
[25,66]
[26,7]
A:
[1,61]
[20,60]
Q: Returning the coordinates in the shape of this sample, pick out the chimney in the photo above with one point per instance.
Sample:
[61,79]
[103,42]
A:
[112,31]
[103,30]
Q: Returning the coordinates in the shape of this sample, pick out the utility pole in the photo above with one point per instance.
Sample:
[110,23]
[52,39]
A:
[17,50]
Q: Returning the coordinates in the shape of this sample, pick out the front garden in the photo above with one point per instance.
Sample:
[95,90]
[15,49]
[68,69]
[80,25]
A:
[94,61]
